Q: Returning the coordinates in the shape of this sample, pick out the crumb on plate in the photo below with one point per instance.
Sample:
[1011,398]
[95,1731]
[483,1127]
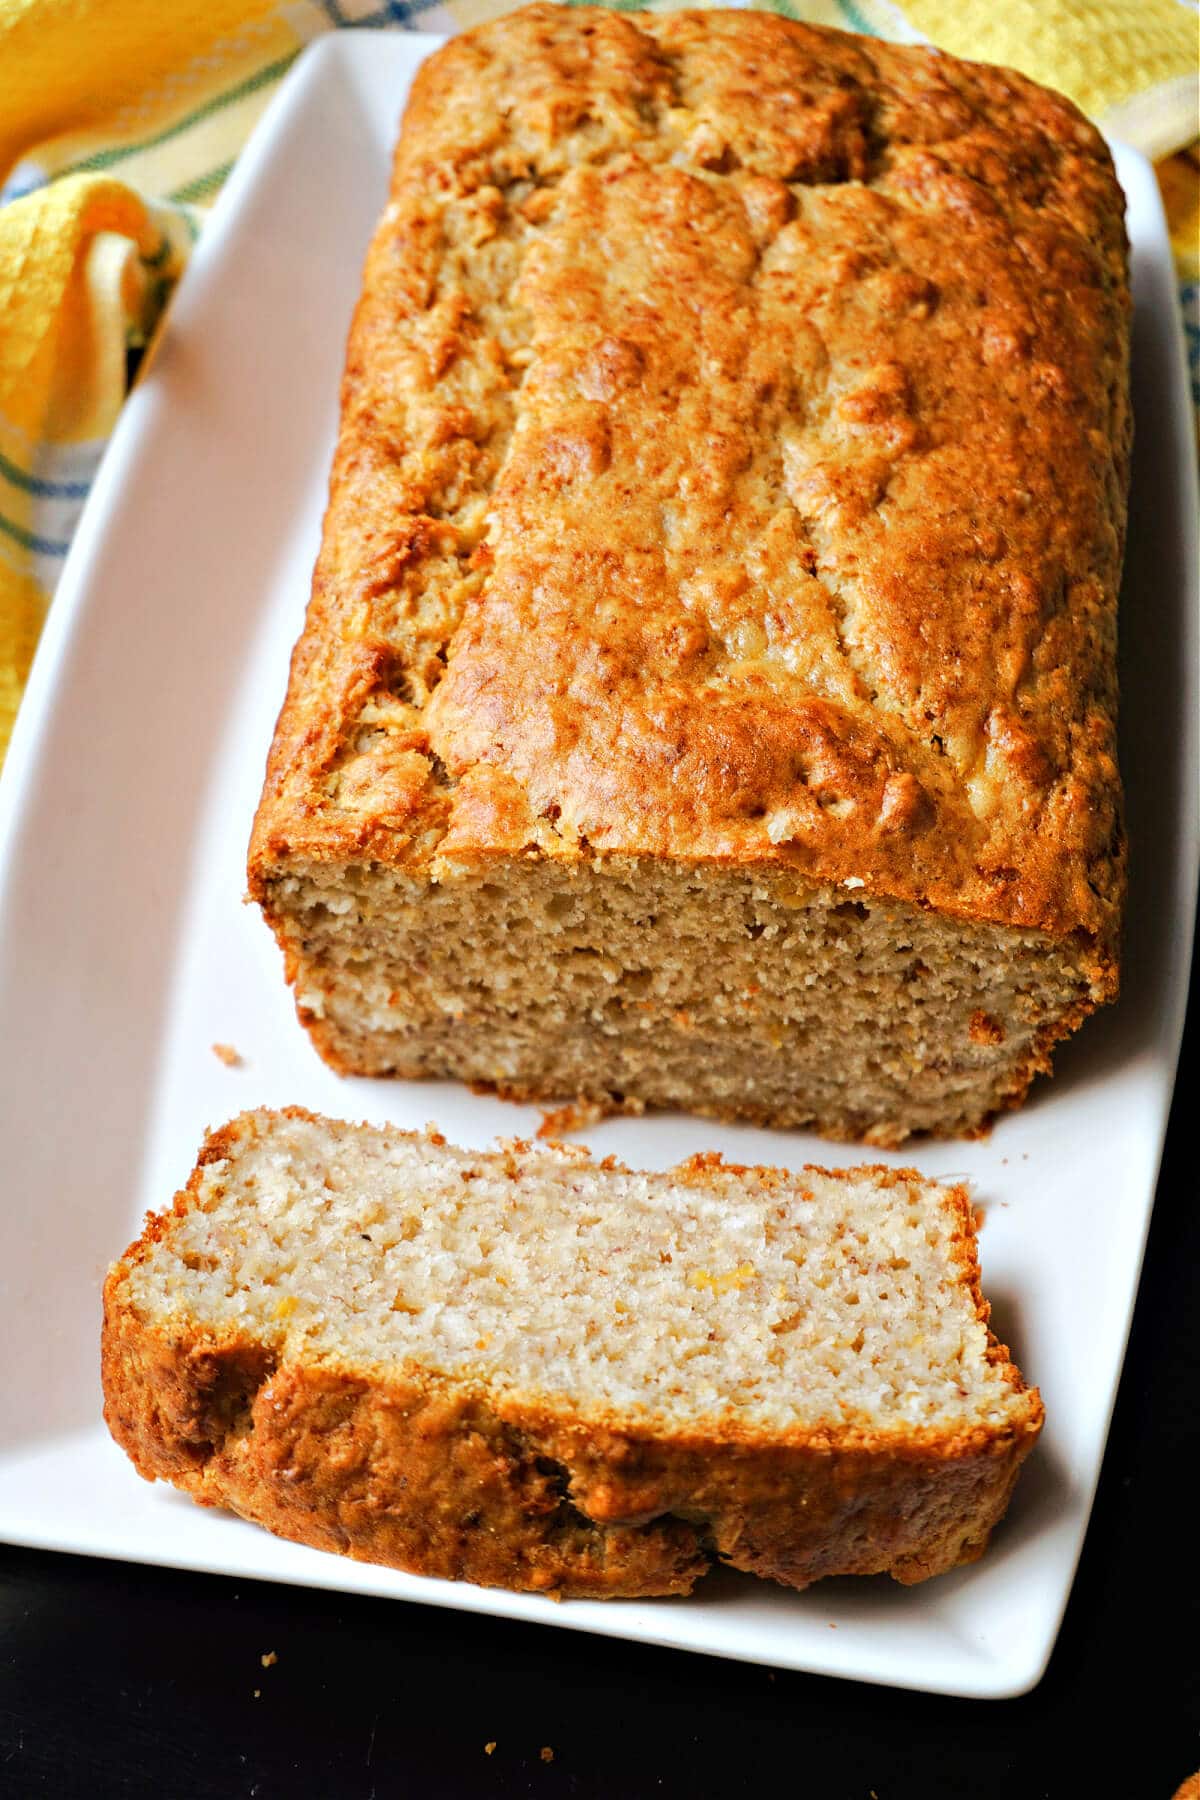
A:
[575,1115]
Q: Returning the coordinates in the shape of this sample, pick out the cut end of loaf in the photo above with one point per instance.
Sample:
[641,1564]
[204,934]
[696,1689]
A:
[597,1379]
[629,982]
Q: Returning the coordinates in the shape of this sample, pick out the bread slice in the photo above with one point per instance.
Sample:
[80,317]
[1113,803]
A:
[708,692]
[526,1369]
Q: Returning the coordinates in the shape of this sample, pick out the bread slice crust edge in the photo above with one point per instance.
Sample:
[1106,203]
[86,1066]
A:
[441,1476]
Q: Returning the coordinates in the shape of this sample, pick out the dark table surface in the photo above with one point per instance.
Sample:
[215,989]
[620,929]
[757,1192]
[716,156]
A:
[132,1681]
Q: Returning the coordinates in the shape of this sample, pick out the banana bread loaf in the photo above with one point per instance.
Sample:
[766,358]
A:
[707,696]
[528,1370]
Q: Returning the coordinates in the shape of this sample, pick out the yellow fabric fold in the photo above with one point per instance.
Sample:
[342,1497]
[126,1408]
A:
[79,261]
[1123,62]
[85,266]
[114,68]
[22,610]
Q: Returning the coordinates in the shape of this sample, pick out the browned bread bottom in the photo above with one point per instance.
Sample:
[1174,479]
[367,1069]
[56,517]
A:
[527,1370]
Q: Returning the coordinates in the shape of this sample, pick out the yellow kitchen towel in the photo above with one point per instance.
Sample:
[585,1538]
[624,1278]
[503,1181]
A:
[1128,64]
[85,266]
[120,119]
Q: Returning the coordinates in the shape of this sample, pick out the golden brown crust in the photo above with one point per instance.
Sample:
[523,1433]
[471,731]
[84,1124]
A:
[732,468]
[451,1484]
[443,1477]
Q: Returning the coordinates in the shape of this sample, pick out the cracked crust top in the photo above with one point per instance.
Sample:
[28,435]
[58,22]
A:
[732,467]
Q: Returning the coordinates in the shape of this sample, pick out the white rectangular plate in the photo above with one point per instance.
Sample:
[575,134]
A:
[126,951]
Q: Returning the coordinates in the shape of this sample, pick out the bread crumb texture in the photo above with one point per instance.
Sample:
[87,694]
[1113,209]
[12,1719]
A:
[730,493]
[530,1370]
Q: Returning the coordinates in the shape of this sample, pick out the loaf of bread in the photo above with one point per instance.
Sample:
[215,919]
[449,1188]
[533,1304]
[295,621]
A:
[525,1369]
[707,696]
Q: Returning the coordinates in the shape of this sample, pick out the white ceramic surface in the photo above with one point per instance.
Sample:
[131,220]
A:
[126,951]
